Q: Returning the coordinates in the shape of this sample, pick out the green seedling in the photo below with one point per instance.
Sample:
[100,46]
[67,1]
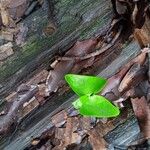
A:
[90,104]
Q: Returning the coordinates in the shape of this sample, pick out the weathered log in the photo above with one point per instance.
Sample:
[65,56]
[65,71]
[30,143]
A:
[76,20]
[79,19]
[33,126]
[21,98]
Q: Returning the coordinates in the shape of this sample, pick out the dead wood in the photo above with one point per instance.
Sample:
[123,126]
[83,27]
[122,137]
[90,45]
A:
[71,131]
[24,94]
[48,121]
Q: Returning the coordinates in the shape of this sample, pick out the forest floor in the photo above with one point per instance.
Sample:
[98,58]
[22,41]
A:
[37,112]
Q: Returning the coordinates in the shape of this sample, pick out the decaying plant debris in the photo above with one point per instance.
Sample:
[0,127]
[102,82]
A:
[129,86]
[24,94]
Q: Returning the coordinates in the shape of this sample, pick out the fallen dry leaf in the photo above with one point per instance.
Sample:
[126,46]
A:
[57,75]
[81,48]
[81,55]
[70,136]
[63,67]
[111,89]
[136,73]
[96,140]
[86,123]
[142,112]
[103,49]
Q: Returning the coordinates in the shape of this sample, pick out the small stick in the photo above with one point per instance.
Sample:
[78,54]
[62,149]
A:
[23,95]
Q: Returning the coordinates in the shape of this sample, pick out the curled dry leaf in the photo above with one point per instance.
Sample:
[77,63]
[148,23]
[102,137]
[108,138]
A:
[82,48]
[111,89]
[65,66]
[136,73]
[114,81]
[142,111]
[96,53]
[80,56]
[133,77]
[56,76]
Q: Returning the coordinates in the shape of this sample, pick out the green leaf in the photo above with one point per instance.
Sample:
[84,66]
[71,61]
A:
[96,106]
[83,85]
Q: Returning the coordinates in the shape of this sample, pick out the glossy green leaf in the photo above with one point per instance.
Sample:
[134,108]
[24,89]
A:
[96,106]
[83,85]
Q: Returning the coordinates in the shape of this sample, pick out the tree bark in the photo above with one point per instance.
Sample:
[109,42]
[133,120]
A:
[75,20]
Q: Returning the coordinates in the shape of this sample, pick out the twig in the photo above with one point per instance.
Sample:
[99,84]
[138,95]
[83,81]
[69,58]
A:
[11,117]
